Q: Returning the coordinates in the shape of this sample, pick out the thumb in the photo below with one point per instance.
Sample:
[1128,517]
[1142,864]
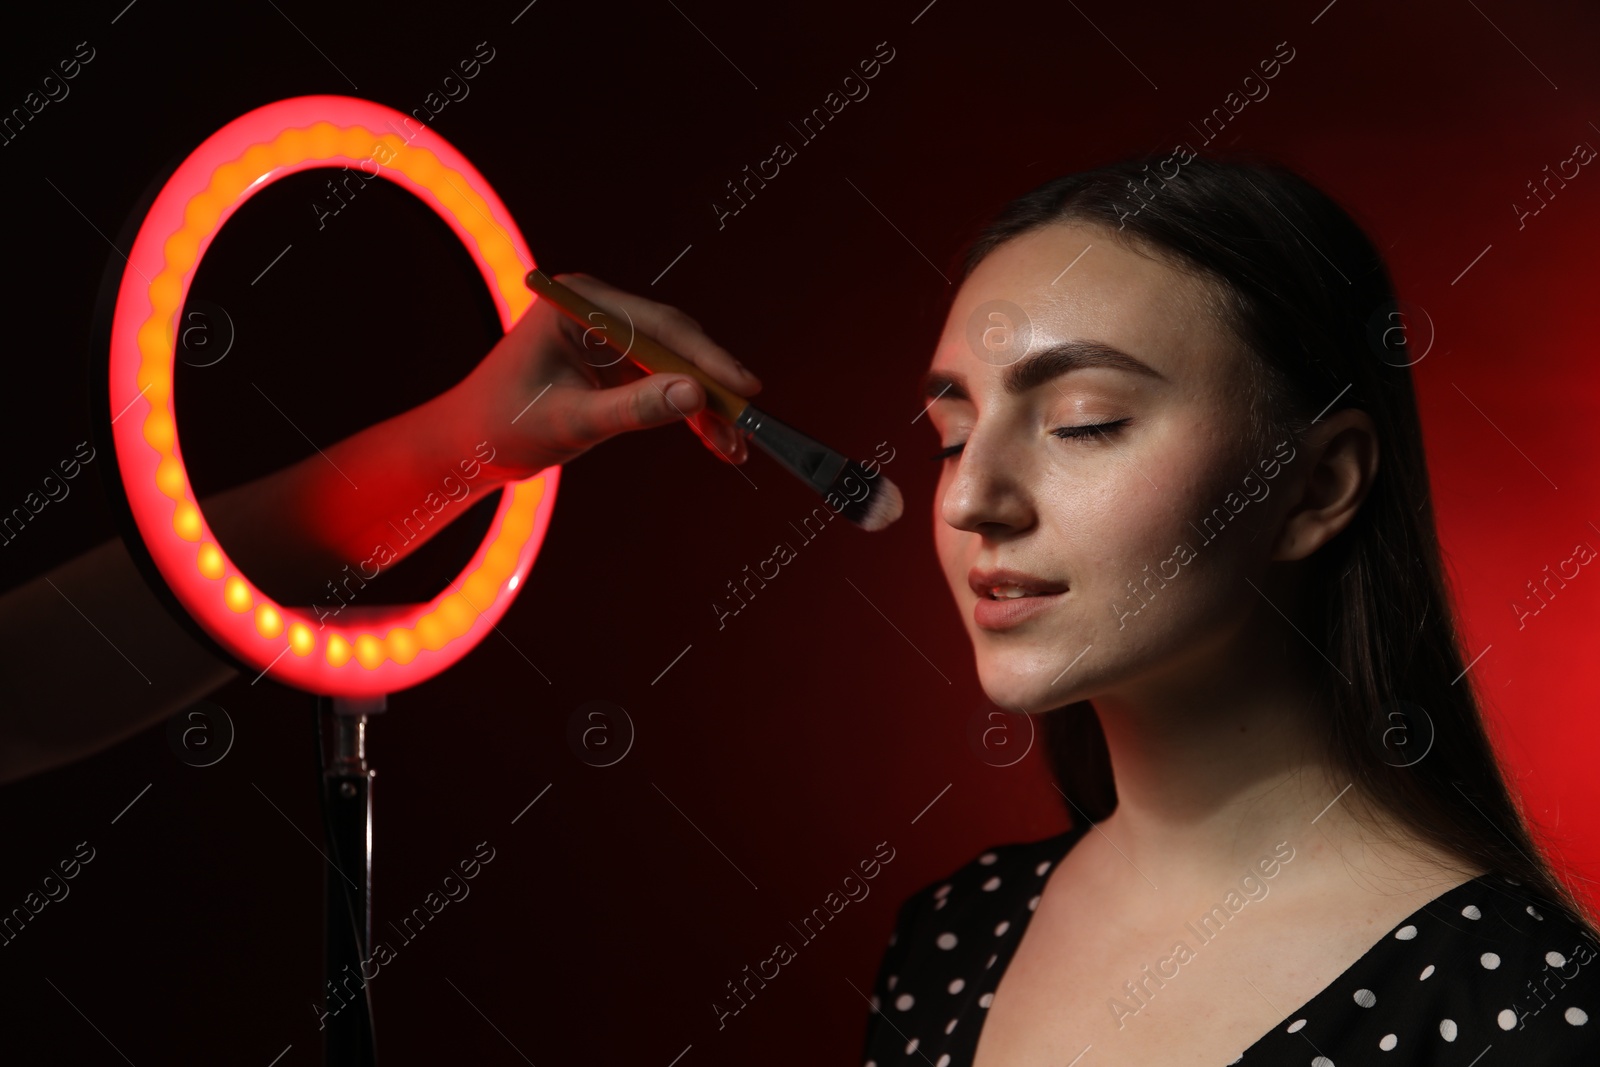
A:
[653,400]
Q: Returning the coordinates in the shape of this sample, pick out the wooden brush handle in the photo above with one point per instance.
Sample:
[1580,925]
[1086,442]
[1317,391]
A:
[645,351]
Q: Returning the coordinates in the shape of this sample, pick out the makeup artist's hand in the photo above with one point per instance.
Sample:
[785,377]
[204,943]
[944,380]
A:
[549,391]
[541,397]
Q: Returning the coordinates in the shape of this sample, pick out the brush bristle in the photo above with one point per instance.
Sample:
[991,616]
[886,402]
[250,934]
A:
[880,507]
[884,506]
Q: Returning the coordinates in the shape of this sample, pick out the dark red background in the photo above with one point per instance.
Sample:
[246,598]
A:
[776,754]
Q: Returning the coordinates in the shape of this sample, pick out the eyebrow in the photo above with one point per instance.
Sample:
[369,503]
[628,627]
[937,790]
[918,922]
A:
[1034,370]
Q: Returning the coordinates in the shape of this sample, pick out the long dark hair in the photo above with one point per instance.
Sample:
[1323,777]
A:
[1310,298]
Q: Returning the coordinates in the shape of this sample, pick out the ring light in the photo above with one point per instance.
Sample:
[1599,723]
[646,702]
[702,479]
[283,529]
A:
[391,649]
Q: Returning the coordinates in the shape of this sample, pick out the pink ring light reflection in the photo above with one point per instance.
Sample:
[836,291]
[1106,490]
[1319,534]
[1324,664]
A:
[391,649]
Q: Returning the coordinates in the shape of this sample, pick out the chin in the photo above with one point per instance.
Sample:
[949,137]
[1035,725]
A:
[1018,677]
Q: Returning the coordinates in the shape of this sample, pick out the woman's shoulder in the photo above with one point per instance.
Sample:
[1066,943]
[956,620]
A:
[1487,963]
[1522,961]
[959,920]
[986,880]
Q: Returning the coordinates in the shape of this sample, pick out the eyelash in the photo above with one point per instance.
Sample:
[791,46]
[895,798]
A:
[1065,432]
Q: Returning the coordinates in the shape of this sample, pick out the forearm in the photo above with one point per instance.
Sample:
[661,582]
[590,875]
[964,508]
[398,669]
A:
[92,654]
[364,503]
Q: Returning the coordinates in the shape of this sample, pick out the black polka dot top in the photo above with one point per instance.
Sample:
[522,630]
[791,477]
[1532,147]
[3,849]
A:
[1484,975]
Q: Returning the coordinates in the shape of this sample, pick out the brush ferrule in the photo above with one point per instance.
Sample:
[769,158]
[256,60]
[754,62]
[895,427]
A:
[815,463]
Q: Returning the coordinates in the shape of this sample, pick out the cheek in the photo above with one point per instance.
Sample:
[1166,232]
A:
[1139,525]
[1112,510]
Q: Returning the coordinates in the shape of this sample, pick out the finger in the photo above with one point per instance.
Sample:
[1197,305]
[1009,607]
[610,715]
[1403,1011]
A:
[732,442]
[669,325]
[653,400]
[719,437]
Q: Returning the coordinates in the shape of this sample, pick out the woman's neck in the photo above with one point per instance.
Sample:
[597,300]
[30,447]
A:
[1220,763]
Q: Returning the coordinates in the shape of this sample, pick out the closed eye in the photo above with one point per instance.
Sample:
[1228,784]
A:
[1094,432]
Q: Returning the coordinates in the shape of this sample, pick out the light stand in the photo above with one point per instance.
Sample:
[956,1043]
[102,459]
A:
[346,786]
[359,658]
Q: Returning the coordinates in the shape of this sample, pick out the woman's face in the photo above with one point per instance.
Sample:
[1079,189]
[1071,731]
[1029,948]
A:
[1150,503]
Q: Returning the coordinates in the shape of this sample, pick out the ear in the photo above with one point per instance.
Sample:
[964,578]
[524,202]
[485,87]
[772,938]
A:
[1337,465]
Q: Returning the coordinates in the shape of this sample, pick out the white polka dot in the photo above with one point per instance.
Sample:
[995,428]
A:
[870,1063]
[1039,870]
[1406,933]
[992,958]
[1321,1061]
[1034,903]
[1489,960]
[1507,1019]
[946,940]
[893,979]
[1002,928]
[944,1061]
[1425,972]
[1366,998]
[958,985]
[1471,911]
[1447,1029]
[876,1004]
[1555,959]
[987,858]
[1575,1016]
[949,1026]
[1534,913]
[904,1001]
[942,891]
[912,1047]
[986,1000]
[1388,1042]
[940,903]
[992,884]
[1294,1027]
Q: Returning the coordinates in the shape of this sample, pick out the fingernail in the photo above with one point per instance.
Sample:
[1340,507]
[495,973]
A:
[683,394]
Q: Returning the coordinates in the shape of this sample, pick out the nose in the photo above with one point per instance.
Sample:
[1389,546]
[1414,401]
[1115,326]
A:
[986,487]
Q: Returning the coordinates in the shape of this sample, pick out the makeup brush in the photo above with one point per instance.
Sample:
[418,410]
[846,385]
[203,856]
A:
[824,470]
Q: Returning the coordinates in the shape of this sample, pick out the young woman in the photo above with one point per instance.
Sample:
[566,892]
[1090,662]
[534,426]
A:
[1184,513]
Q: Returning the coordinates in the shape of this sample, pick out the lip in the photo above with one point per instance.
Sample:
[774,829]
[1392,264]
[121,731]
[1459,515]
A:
[981,581]
[992,614]
[1004,614]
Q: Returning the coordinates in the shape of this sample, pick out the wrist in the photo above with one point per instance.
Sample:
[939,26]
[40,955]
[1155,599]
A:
[459,441]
